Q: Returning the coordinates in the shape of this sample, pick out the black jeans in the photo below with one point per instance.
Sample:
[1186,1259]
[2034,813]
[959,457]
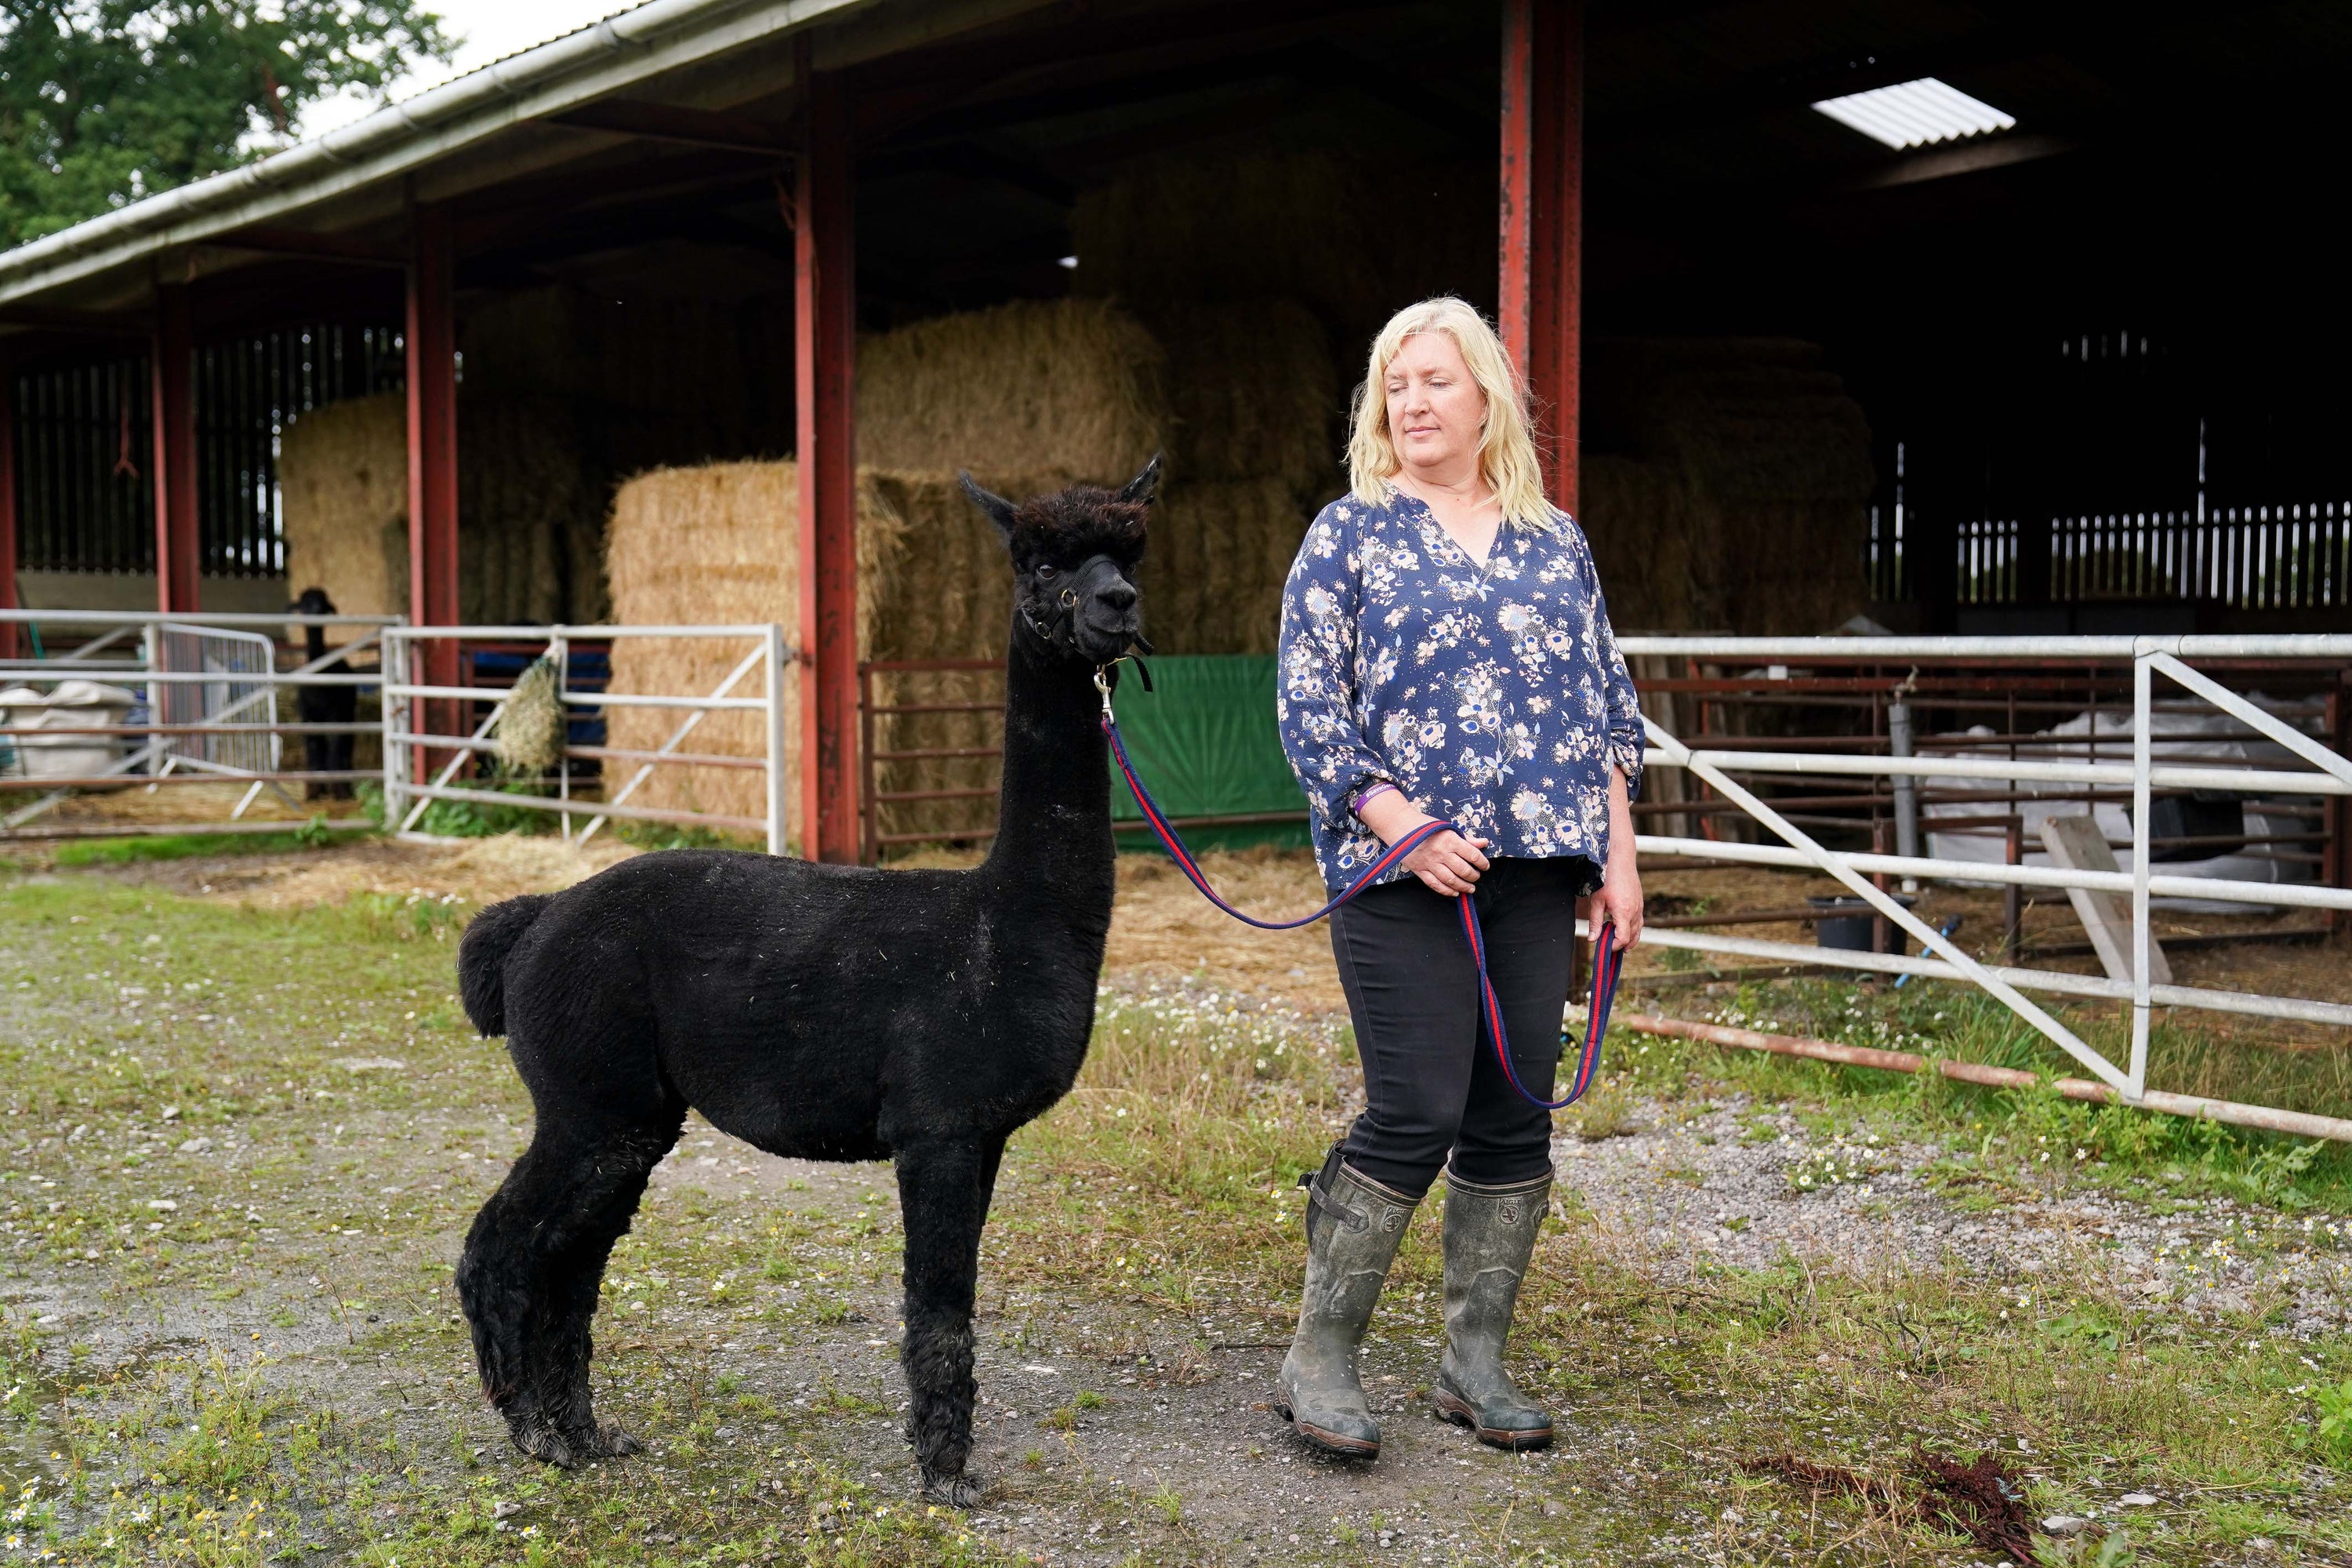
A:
[1431,1082]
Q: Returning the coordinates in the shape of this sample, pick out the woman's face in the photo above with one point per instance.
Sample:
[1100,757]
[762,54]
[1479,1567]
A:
[1436,411]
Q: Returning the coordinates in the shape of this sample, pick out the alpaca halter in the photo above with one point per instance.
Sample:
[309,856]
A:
[1606,960]
[1072,590]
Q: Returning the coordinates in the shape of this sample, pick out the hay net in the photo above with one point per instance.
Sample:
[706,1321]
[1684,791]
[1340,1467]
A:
[531,729]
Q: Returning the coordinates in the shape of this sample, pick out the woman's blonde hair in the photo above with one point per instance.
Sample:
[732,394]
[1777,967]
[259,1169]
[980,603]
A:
[1506,449]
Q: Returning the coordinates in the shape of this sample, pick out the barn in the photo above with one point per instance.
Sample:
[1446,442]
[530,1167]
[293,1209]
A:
[1941,317]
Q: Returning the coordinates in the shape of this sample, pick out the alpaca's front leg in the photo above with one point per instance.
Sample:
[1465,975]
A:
[943,1193]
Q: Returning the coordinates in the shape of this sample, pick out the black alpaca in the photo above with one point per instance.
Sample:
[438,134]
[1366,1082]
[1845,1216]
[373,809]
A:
[324,705]
[818,1011]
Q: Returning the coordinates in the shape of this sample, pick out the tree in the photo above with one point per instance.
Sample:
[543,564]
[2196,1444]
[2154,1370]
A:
[104,101]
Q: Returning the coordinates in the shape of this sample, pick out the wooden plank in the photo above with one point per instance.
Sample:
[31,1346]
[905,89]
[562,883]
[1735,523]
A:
[2075,843]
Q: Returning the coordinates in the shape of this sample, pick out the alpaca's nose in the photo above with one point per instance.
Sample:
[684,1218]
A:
[1119,595]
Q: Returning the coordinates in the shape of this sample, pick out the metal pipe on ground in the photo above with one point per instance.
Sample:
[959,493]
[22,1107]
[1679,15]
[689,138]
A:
[184,829]
[2295,1123]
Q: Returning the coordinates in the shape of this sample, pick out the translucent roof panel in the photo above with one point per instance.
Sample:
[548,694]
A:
[1916,114]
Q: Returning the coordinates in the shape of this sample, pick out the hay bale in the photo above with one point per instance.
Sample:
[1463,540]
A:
[1642,525]
[1067,387]
[1213,574]
[343,475]
[523,488]
[1252,394]
[716,545]
[949,597]
[529,522]
[1727,481]
[1353,236]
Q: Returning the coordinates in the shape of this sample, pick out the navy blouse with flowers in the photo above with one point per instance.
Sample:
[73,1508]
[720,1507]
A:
[1492,694]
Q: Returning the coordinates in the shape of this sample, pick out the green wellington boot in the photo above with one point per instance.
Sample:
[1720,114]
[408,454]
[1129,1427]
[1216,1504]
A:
[1353,1226]
[1490,1232]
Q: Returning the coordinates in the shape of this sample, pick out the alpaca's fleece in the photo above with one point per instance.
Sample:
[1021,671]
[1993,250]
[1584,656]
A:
[820,1012]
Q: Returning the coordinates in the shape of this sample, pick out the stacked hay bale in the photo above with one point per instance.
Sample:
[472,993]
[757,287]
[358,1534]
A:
[1726,486]
[342,477]
[1254,408]
[528,515]
[1351,236]
[715,545]
[1031,397]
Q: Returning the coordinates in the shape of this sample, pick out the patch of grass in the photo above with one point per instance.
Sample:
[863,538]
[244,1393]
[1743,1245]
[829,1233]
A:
[2036,1135]
[1151,1214]
[313,834]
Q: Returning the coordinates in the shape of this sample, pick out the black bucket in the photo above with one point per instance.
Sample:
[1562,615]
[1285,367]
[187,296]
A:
[1845,923]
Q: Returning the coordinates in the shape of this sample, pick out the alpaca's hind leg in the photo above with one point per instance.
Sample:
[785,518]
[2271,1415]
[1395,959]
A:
[530,1273]
[943,1193]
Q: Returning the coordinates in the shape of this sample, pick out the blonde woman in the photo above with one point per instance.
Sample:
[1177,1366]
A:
[1445,653]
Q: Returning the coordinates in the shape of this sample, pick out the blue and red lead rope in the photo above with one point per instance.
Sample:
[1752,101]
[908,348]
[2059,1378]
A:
[1606,960]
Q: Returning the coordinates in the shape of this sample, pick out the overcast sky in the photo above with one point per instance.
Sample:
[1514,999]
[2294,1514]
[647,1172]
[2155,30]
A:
[486,30]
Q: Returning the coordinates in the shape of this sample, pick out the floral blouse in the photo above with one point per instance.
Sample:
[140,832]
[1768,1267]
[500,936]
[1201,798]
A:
[1493,696]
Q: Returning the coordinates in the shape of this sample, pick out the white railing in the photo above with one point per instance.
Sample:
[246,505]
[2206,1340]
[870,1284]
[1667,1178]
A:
[2168,658]
[209,686]
[406,798]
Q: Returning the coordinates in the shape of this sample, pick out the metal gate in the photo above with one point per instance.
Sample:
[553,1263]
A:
[231,718]
[2327,774]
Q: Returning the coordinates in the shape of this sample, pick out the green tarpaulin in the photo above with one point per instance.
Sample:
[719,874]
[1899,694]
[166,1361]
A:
[1203,741]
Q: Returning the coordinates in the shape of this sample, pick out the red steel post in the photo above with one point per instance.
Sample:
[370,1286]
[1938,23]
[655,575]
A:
[9,636]
[1542,219]
[432,353]
[178,538]
[825,331]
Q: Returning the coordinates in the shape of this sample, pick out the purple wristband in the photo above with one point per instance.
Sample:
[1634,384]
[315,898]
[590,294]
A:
[1374,793]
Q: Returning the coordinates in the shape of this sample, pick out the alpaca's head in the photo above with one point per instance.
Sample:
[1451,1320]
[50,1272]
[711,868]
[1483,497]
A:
[313,602]
[1074,559]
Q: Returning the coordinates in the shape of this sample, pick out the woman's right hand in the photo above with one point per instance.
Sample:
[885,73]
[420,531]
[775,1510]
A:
[1446,862]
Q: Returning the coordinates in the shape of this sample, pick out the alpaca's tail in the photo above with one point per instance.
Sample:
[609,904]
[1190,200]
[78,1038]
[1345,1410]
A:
[482,958]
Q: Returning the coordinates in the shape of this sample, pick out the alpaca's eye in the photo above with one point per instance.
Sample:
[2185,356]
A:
[1043,573]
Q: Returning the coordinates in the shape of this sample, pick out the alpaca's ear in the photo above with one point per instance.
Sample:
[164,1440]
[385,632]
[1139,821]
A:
[1140,488]
[994,505]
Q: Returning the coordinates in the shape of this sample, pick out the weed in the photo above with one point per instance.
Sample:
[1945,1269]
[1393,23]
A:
[2336,1422]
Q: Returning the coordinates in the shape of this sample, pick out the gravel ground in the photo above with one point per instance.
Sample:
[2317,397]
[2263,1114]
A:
[1723,1184]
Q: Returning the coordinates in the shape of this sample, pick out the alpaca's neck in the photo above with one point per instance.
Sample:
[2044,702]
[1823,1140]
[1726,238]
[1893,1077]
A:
[314,643]
[1053,823]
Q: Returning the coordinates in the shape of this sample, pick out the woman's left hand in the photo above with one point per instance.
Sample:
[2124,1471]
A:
[1618,900]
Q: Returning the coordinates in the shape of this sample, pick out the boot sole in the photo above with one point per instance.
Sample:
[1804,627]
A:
[1515,1441]
[1330,1442]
